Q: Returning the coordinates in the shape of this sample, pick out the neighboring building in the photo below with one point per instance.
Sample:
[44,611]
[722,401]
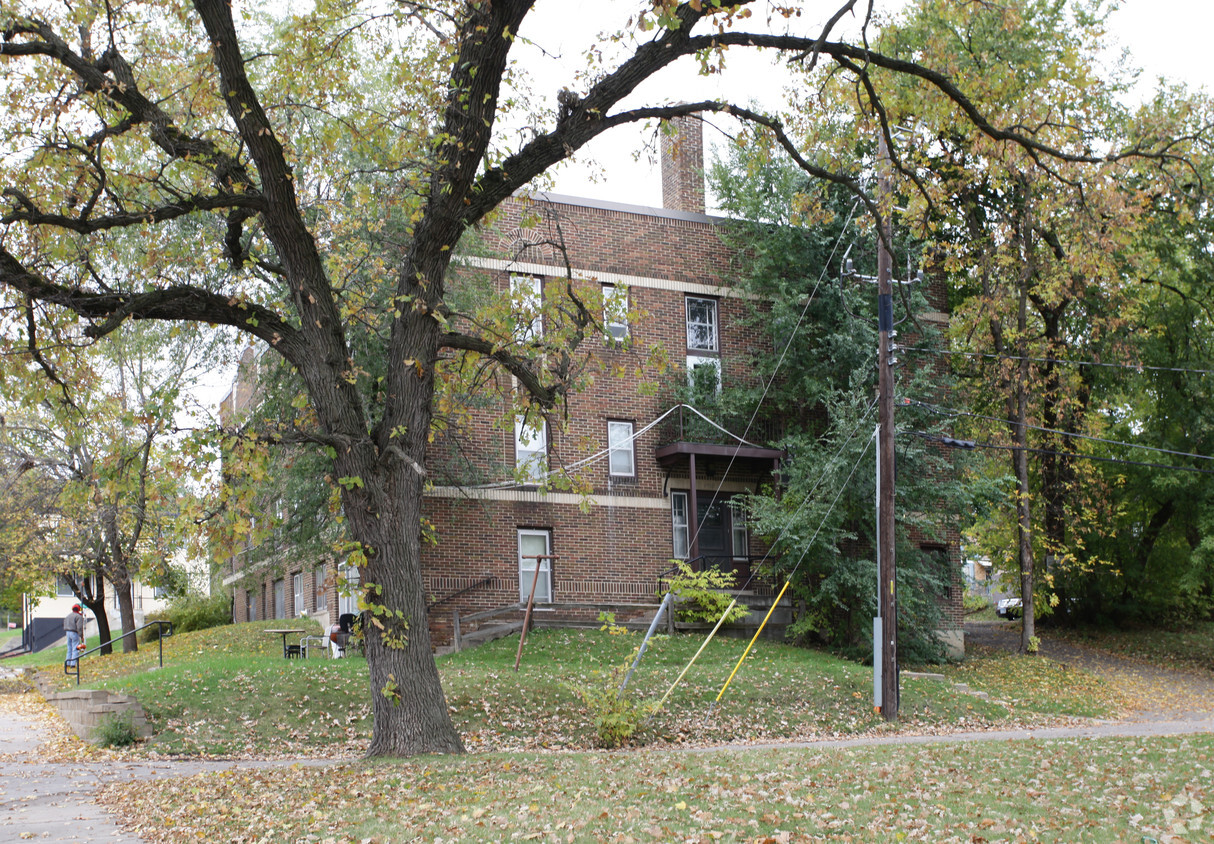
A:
[48,611]
[652,471]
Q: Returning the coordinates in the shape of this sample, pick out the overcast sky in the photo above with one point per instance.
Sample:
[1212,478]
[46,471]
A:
[1168,38]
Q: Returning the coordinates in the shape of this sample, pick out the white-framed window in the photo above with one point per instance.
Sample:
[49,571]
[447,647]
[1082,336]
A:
[300,601]
[621,459]
[531,448]
[63,589]
[737,527]
[702,325]
[698,364]
[678,522]
[318,587]
[525,302]
[615,312]
[533,542]
[347,597]
[280,605]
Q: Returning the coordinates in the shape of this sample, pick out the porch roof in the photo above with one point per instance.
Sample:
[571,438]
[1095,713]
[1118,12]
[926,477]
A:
[671,453]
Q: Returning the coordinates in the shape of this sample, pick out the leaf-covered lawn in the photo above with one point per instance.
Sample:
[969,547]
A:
[229,692]
[1102,790]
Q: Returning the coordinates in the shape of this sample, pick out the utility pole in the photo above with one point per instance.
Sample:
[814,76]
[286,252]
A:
[886,572]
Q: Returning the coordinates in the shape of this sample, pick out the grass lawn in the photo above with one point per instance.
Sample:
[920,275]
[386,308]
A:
[1190,648]
[534,774]
[228,691]
[1106,790]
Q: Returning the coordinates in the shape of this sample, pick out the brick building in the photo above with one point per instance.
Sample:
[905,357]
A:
[649,471]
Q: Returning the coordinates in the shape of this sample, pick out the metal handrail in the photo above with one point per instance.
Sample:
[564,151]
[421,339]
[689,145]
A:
[67,669]
[446,598]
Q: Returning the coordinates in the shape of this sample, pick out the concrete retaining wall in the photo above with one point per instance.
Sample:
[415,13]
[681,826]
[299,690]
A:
[85,709]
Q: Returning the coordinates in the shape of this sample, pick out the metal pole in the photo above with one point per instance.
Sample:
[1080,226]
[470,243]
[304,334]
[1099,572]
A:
[539,558]
[653,625]
[887,572]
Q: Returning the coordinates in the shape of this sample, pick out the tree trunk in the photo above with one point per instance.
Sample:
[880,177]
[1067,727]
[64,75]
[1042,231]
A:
[1024,510]
[126,608]
[96,605]
[384,517]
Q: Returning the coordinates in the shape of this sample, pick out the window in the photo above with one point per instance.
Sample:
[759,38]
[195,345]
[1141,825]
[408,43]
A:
[297,582]
[737,522]
[347,598]
[678,519]
[704,375]
[250,603]
[531,448]
[280,607]
[615,312]
[63,589]
[702,325]
[160,591]
[525,302]
[621,460]
[533,543]
[318,586]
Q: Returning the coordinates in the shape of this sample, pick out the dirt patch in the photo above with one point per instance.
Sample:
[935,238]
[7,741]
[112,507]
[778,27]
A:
[1153,692]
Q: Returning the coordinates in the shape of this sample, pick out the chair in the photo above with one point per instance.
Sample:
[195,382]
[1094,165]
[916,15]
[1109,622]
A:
[308,642]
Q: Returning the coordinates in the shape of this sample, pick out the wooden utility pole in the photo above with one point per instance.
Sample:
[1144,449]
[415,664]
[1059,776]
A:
[886,572]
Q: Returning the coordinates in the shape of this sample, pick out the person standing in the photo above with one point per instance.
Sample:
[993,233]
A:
[73,626]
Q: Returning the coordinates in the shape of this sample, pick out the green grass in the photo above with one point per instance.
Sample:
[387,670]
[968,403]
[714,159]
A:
[228,691]
[1187,647]
[1089,790]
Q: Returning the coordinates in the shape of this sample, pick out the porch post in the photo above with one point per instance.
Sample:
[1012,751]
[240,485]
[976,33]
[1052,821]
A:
[693,515]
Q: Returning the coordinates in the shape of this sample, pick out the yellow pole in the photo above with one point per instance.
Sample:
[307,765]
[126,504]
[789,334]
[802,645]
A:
[752,641]
[720,621]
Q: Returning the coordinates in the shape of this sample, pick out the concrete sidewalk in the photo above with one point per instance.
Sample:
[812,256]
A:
[45,801]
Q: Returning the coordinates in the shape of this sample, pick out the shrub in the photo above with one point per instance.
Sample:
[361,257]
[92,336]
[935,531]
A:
[116,731]
[616,715]
[192,612]
[699,597]
[975,603]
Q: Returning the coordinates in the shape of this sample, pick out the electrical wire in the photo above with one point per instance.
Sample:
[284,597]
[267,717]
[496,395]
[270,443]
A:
[1118,460]
[779,363]
[951,412]
[1140,367]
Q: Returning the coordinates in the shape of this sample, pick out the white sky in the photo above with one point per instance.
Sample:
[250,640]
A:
[1166,38]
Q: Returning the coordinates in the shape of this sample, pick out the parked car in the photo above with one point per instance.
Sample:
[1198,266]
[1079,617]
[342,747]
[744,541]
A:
[1009,608]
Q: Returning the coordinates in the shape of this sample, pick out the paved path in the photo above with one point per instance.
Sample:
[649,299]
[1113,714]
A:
[42,801]
[1156,693]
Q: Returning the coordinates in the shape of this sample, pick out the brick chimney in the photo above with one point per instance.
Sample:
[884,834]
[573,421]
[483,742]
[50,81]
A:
[683,165]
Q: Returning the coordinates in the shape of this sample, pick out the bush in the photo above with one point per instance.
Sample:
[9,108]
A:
[616,716]
[975,603]
[192,612]
[699,598]
[116,731]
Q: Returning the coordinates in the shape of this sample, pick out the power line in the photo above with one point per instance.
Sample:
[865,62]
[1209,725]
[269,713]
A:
[1140,367]
[1119,461]
[948,411]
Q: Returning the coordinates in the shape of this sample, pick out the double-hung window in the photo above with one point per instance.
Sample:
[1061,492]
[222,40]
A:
[297,585]
[615,312]
[280,607]
[621,459]
[531,449]
[525,303]
[534,546]
[703,340]
[678,519]
[318,586]
[347,590]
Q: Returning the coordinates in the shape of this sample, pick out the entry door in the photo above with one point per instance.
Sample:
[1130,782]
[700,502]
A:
[532,543]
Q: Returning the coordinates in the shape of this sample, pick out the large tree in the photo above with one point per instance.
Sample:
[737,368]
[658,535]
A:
[102,488]
[272,141]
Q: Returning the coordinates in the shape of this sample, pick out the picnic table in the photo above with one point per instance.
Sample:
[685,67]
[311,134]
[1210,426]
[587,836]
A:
[285,632]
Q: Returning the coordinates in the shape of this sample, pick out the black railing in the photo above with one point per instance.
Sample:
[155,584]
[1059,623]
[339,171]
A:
[687,426]
[67,669]
[485,582]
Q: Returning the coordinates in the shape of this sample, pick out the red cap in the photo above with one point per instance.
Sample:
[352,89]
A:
[75,608]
